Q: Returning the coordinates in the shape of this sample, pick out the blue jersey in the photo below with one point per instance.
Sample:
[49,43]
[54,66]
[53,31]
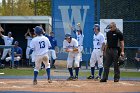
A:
[52,41]
[18,50]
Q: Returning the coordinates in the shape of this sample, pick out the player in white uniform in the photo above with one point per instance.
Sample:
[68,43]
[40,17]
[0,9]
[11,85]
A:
[70,45]
[79,38]
[40,45]
[29,36]
[8,40]
[97,54]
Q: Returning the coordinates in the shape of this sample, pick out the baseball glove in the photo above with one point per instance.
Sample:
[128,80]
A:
[121,60]
[75,49]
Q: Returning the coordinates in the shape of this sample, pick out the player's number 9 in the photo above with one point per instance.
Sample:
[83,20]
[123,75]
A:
[42,44]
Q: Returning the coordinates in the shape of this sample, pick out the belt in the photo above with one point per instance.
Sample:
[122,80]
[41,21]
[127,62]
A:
[96,48]
[80,45]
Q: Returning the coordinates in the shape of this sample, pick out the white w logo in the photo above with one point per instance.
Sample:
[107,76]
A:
[75,16]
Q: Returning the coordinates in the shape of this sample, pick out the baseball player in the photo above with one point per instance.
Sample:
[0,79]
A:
[70,45]
[8,40]
[79,38]
[29,37]
[97,53]
[40,45]
[17,54]
[52,53]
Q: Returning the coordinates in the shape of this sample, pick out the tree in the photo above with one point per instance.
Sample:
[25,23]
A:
[16,8]
[23,8]
[41,7]
[6,8]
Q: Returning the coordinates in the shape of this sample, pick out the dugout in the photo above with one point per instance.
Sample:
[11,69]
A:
[18,25]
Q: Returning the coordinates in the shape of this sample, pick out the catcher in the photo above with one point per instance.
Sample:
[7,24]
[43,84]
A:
[70,45]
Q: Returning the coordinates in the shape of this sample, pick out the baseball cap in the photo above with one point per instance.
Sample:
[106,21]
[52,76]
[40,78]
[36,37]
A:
[16,43]
[97,25]
[68,35]
[10,33]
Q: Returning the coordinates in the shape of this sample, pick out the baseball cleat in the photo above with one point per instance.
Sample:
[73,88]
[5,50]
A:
[70,78]
[90,77]
[34,82]
[97,78]
[49,81]
[76,78]
[103,80]
[116,80]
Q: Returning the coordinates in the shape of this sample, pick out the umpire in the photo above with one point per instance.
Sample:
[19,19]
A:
[114,39]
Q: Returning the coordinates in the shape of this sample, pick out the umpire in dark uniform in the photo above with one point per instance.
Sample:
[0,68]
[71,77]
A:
[114,39]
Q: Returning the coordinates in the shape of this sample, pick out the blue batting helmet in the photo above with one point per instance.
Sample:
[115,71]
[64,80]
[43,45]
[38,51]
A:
[97,25]
[67,35]
[38,30]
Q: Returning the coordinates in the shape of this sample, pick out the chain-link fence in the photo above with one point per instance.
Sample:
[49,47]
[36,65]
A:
[128,10]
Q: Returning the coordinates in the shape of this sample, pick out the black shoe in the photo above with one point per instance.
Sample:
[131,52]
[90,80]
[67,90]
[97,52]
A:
[70,78]
[76,78]
[90,77]
[116,80]
[34,82]
[103,80]
[98,78]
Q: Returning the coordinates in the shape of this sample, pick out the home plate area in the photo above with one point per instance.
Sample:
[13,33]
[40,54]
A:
[84,86]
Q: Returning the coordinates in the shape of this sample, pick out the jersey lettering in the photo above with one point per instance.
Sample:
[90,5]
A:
[42,44]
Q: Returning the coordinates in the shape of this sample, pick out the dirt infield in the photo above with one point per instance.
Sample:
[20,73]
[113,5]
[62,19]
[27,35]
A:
[68,86]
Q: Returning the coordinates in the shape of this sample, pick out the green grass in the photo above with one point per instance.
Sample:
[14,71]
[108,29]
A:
[29,72]
[111,74]
[19,72]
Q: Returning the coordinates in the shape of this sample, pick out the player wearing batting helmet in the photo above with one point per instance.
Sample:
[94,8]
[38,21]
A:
[97,53]
[70,45]
[40,45]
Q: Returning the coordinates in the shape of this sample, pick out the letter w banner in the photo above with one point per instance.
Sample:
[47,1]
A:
[66,13]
